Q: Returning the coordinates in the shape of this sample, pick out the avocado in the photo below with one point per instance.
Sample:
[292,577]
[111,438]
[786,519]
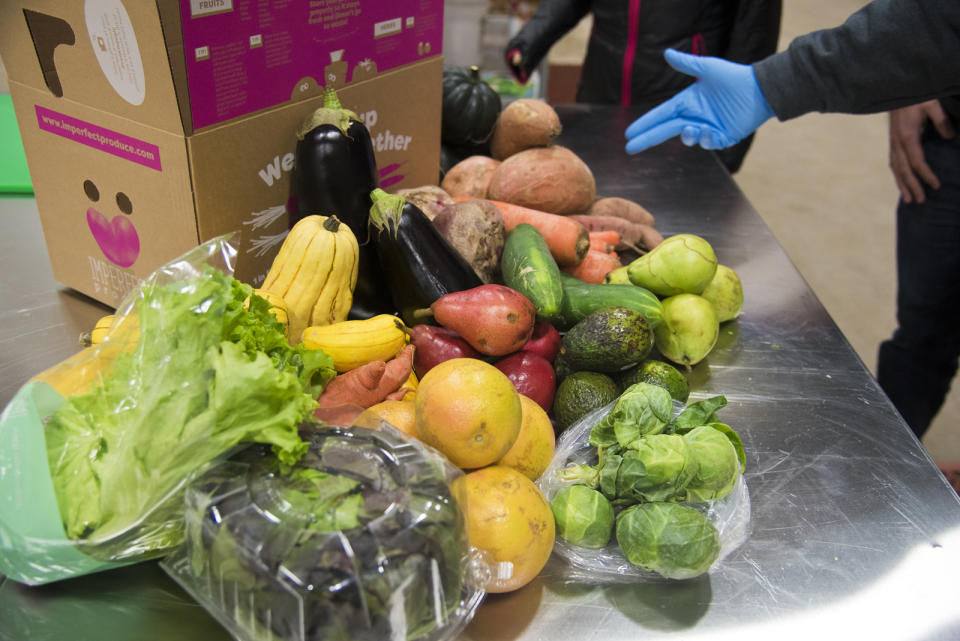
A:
[580,393]
[657,373]
[609,339]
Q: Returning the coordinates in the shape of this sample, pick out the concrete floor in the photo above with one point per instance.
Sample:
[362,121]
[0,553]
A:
[822,184]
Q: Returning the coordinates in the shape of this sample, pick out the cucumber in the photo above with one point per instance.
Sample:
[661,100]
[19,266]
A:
[528,267]
[580,298]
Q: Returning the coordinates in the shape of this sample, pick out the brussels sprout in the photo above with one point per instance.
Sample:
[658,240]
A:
[699,413]
[731,434]
[641,409]
[717,464]
[659,467]
[584,516]
[674,540]
[608,472]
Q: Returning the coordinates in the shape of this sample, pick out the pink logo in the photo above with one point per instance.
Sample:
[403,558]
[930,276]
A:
[116,238]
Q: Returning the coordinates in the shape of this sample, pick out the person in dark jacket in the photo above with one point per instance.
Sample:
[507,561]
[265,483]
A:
[624,62]
[901,56]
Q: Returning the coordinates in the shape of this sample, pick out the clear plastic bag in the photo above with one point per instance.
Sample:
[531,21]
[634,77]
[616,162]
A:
[361,539]
[730,515]
[95,451]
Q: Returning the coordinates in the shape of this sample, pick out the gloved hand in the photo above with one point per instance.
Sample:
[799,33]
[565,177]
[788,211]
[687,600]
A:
[722,108]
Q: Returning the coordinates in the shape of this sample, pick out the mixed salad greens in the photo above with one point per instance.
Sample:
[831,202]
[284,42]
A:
[360,539]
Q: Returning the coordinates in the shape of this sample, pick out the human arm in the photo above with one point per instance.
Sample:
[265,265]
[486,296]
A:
[889,54]
[551,20]
[907,161]
[723,107]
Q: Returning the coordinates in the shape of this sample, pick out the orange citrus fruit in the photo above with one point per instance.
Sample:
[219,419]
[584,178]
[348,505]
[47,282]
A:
[398,413]
[469,410]
[509,520]
[533,450]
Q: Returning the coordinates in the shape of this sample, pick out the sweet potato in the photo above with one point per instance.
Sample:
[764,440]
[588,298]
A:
[475,228]
[368,384]
[632,235]
[622,208]
[551,179]
[524,123]
[470,177]
[430,199]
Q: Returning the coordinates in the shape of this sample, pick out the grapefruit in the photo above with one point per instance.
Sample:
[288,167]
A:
[510,521]
[469,410]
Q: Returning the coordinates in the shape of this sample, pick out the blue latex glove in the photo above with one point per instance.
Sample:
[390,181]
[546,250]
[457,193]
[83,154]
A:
[722,108]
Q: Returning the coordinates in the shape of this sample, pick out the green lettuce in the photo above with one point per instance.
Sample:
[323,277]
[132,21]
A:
[209,373]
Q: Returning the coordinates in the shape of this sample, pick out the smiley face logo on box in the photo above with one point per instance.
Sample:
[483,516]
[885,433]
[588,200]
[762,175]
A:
[116,236]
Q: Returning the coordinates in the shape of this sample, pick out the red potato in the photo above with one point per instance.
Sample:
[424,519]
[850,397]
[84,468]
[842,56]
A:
[470,177]
[532,375]
[545,341]
[435,345]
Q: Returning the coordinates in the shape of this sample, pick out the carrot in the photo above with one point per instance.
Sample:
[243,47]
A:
[632,235]
[605,241]
[368,384]
[594,266]
[567,238]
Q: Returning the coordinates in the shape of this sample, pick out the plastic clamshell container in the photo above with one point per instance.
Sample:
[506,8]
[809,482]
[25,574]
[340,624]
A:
[361,539]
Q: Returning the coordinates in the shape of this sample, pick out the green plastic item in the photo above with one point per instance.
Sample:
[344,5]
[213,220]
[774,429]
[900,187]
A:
[14,175]
[29,517]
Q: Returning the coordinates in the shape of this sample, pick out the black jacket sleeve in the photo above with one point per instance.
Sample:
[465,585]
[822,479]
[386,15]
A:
[550,22]
[755,31]
[890,54]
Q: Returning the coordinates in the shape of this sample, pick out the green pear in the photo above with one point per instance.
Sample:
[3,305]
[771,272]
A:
[680,264]
[725,291]
[689,329]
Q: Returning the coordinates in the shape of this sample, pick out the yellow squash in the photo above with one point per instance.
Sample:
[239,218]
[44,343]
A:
[315,273]
[354,343]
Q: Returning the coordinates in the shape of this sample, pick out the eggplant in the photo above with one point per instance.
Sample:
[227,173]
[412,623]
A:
[334,173]
[419,264]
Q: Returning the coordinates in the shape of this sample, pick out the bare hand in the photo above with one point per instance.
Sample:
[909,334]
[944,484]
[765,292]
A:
[907,162]
[517,59]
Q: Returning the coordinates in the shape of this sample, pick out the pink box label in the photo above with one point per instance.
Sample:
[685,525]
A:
[112,142]
[246,55]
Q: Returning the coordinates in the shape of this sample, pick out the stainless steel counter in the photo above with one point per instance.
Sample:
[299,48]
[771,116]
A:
[855,533]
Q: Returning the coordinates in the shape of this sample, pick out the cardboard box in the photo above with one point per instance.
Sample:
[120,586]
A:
[150,127]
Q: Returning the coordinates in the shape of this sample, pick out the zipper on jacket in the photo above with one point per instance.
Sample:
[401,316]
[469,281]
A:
[633,29]
[698,46]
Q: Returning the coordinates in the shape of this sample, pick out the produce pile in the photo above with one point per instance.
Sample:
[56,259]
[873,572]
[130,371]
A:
[482,316]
